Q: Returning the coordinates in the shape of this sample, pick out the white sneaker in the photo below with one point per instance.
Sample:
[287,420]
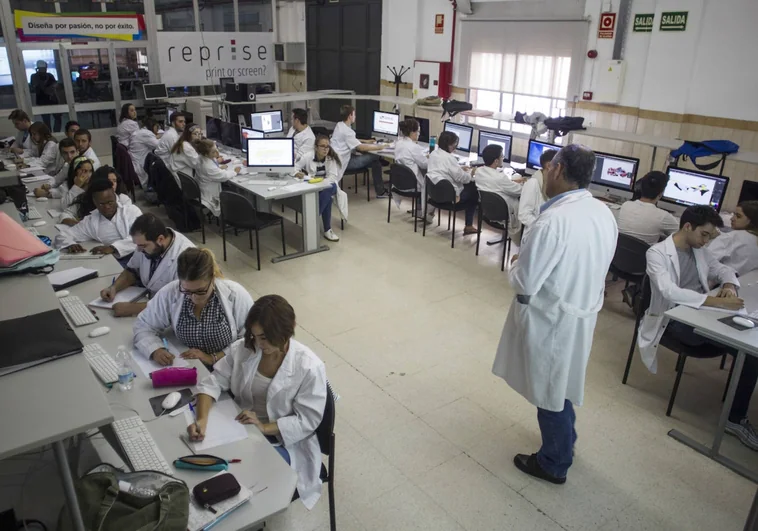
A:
[329,235]
[745,432]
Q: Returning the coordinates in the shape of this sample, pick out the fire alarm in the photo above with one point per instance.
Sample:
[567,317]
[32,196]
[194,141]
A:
[587,95]
[592,54]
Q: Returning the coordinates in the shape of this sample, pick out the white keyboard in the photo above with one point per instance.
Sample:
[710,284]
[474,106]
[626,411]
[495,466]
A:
[33,214]
[81,256]
[33,230]
[139,446]
[77,311]
[102,363]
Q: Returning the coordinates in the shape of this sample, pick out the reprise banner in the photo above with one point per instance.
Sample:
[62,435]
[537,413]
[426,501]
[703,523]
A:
[191,58]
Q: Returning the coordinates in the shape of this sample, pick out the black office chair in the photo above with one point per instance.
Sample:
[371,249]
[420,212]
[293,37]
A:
[403,183]
[355,174]
[493,210]
[442,196]
[239,212]
[122,161]
[191,195]
[629,263]
[114,143]
[669,341]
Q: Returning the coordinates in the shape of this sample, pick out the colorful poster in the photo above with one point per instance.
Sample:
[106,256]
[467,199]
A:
[32,26]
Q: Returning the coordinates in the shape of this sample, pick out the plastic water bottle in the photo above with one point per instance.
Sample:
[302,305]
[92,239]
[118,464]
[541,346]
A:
[432,143]
[124,362]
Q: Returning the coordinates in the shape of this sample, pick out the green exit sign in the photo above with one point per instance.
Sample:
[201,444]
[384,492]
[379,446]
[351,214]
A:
[644,22]
[674,21]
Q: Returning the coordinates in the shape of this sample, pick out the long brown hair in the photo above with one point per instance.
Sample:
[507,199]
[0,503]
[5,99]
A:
[204,147]
[186,137]
[197,264]
[750,209]
[43,131]
[332,154]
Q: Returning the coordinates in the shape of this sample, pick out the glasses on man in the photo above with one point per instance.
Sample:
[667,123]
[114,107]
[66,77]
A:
[198,292]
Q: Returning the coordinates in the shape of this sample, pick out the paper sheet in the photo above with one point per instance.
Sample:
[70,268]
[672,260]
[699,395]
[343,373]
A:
[53,213]
[60,278]
[33,179]
[130,294]
[222,428]
[148,366]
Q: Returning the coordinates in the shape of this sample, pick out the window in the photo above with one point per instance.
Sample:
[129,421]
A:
[7,96]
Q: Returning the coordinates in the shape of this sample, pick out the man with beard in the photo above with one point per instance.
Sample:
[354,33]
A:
[152,266]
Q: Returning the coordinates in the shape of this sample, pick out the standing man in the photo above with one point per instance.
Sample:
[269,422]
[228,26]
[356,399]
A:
[43,85]
[169,138]
[305,140]
[559,279]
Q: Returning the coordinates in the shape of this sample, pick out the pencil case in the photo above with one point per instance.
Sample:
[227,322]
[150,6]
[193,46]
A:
[216,490]
[174,376]
[206,463]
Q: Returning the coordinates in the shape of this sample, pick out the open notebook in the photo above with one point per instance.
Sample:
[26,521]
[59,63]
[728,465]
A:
[130,294]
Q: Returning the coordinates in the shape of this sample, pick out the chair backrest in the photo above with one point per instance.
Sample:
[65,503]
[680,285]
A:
[114,143]
[123,163]
[642,303]
[326,428]
[630,255]
[442,192]
[190,188]
[402,177]
[494,207]
[236,209]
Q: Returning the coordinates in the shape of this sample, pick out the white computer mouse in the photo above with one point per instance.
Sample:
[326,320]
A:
[171,400]
[42,199]
[39,223]
[747,323]
[100,331]
[62,293]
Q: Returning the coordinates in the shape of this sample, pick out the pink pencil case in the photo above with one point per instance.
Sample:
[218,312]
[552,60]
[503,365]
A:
[174,376]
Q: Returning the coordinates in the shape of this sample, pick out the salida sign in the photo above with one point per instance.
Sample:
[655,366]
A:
[186,59]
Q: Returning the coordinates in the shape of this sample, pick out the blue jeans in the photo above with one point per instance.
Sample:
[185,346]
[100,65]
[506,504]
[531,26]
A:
[281,450]
[470,198]
[558,438]
[325,205]
[361,161]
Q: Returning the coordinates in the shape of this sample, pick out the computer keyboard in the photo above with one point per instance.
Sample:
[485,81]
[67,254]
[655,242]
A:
[33,230]
[102,363]
[81,256]
[139,446]
[77,311]
[33,214]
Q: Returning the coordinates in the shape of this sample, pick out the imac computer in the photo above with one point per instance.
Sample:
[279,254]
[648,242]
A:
[534,152]
[246,133]
[267,122]
[614,172]
[690,187]
[486,138]
[155,91]
[271,155]
[464,132]
[386,124]
[423,128]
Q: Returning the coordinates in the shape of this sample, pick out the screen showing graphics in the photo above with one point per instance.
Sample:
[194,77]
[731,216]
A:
[213,129]
[267,122]
[486,138]
[386,123]
[270,152]
[534,152]
[423,128]
[464,133]
[614,171]
[246,133]
[689,187]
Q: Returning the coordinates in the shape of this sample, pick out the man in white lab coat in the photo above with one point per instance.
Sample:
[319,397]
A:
[152,266]
[357,154]
[559,279]
[302,133]
[142,142]
[681,270]
[533,193]
[169,138]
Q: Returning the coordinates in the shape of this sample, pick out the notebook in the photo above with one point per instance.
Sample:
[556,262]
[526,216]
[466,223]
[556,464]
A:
[70,277]
[130,294]
[222,428]
[201,519]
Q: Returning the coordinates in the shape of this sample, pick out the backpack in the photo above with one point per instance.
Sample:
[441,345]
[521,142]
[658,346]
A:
[453,107]
[565,124]
[707,148]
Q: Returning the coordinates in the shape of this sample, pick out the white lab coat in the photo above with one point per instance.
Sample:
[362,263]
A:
[72,212]
[164,309]
[90,154]
[738,249]
[491,180]
[59,178]
[24,141]
[142,142]
[165,273]
[295,399]
[165,143]
[309,165]
[444,166]
[113,232]
[186,161]
[663,270]
[305,141]
[209,177]
[50,159]
[344,141]
[125,130]
[532,198]
[411,155]
[545,345]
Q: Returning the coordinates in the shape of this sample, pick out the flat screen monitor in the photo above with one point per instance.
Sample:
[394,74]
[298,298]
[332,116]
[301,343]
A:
[464,132]
[614,171]
[246,133]
[423,128]
[230,135]
[271,154]
[506,141]
[155,91]
[534,152]
[213,129]
[386,123]
[267,122]
[224,81]
[690,187]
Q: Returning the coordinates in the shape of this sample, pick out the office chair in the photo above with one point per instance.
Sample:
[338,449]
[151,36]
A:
[237,211]
[355,174]
[191,195]
[442,196]
[403,183]
[493,210]
[122,161]
[629,264]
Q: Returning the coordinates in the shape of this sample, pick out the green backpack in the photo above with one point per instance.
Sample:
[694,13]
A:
[145,501]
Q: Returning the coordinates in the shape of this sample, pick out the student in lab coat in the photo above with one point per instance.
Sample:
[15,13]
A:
[279,383]
[491,178]
[206,312]
[127,124]
[411,155]
[45,149]
[22,146]
[83,139]
[183,157]
[739,248]
[108,224]
[533,194]
[142,142]
[641,218]
[681,270]
[153,265]
[169,138]
[302,133]
[79,174]
[68,152]
[209,175]
[323,162]
[83,204]
[71,128]
[559,279]
[444,166]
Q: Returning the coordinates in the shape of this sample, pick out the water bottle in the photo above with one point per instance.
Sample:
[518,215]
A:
[124,362]
[432,143]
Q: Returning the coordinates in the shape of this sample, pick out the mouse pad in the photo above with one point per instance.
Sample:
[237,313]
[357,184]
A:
[156,401]
[728,322]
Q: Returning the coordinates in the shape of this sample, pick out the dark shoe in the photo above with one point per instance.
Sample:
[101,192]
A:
[528,465]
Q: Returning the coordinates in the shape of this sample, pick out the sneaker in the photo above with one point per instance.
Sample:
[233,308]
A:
[329,235]
[744,431]
[383,195]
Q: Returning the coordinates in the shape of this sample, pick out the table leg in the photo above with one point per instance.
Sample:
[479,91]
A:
[751,524]
[68,485]
[311,234]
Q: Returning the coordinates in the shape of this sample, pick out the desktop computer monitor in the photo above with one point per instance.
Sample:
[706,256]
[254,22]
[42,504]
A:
[465,134]
[386,123]
[506,141]
[616,172]
[267,121]
[690,187]
[230,135]
[423,123]
[155,91]
[213,129]
[534,152]
[271,154]
[246,133]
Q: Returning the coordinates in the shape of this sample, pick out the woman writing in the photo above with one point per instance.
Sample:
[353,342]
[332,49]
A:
[183,157]
[127,124]
[45,148]
[279,384]
[326,164]
[738,249]
[210,175]
[206,312]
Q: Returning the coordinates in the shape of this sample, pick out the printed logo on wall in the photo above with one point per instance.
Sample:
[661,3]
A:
[643,23]
[31,26]
[186,59]
[607,26]
[674,21]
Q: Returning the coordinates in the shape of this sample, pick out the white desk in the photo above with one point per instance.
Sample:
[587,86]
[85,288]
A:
[706,324]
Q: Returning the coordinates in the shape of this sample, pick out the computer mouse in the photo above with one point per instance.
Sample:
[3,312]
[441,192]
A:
[42,199]
[62,293]
[747,323]
[171,400]
[39,223]
[100,331]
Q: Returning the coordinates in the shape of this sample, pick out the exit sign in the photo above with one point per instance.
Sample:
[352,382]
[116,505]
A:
[643,22]
[674,21]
